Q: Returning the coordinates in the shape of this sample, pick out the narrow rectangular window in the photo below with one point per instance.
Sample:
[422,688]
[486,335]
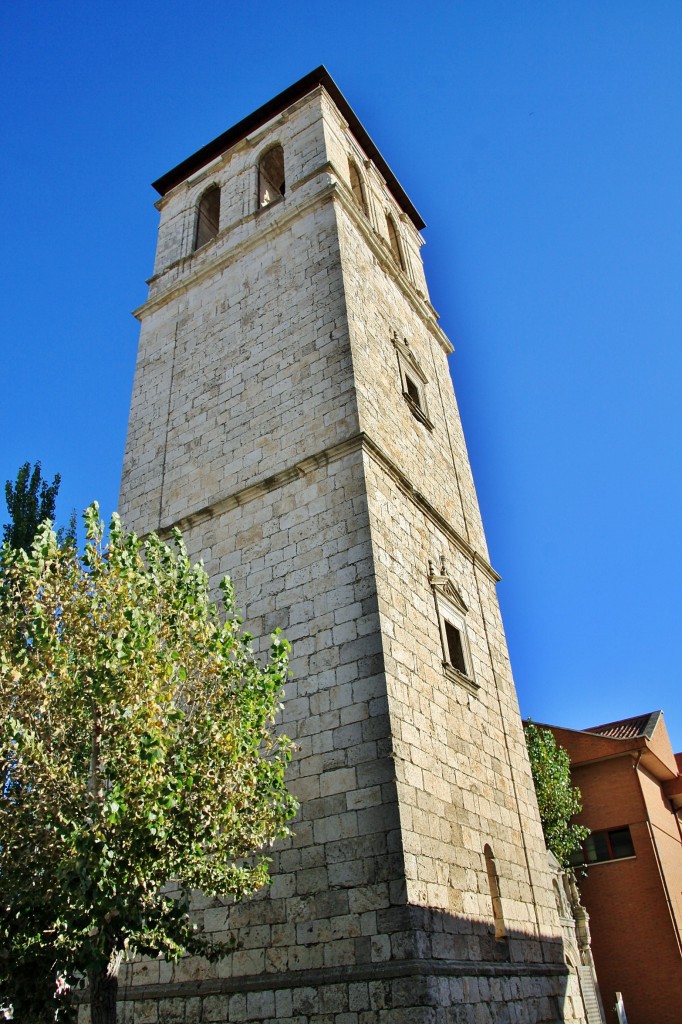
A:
[271,183]
[455,648]
[412,391]
[208,217]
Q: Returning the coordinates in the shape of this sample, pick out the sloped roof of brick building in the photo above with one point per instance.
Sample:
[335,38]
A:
[629,728]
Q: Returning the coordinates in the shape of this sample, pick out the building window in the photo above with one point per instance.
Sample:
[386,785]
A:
[271,183]
[412,391]
[357,187]
[452,611]
[453,641]
[208,217]
[394,241]
[453,637]
[413,381]
[614,844]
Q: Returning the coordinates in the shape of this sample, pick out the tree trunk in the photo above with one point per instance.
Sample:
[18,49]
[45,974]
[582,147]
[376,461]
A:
[103,989]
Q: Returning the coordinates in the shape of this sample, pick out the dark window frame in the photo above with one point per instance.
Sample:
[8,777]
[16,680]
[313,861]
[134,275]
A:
[601,841]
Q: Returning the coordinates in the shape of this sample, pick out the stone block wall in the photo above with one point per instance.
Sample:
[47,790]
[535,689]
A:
[268,422]
[243,366]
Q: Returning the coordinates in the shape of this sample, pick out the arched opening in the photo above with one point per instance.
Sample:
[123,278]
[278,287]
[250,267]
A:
[557,899]
[271,183]
[357,187]
[394,242]
[494,886]
[208,217]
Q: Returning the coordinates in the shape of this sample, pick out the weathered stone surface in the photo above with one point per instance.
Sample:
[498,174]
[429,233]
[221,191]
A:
[269,421]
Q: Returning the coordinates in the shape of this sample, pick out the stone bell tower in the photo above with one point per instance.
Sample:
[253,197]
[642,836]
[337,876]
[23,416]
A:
[293,414]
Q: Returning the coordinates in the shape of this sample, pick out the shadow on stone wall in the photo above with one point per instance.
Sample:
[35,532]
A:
[422,967]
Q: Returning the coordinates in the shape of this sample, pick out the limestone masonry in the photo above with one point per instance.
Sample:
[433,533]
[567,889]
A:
[293,413]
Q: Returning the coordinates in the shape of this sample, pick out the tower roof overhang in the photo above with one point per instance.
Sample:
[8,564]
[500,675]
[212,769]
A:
[319,77]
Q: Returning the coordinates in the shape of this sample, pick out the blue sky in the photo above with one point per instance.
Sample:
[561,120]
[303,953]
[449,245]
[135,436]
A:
[541,144]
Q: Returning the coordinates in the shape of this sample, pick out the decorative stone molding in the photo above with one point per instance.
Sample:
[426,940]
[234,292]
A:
[413,381]
[452,610]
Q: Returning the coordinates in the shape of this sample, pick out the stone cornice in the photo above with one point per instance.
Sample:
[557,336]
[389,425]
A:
[261,487]
[334,190]
[322,458]
[429,510]
[207,268]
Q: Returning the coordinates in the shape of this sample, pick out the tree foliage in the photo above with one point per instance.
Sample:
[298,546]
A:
[31,500]
[558,799]
[137,748]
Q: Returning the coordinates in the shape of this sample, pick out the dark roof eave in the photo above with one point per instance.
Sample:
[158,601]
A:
[239,131]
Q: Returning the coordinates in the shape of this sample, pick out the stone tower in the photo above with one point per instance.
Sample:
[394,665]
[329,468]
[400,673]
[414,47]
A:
[293,414]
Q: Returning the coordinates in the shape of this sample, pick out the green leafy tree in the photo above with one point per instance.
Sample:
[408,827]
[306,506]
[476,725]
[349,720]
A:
[139,761]
[31,500]
[558,799]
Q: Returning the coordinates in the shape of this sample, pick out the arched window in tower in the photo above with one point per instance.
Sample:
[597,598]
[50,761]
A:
[494,886]
[394,242]
[357,187]
[271,184]
[208,217]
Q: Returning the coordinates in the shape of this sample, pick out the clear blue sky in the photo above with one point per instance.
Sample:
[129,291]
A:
[540,142]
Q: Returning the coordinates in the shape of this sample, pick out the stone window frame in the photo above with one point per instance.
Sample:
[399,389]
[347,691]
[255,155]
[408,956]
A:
[413,381]
[206,226]
[452,611]
[262,175]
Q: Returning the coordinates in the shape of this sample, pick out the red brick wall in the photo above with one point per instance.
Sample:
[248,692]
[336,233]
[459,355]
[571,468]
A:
[634,941]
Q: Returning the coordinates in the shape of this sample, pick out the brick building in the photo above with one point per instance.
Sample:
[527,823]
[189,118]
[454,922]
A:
[631,783]
[293,414]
